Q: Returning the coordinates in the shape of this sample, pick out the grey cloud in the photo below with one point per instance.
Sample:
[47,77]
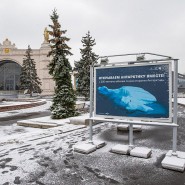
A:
[119,26]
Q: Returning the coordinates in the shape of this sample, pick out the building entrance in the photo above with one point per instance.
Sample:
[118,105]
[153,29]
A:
[9,75]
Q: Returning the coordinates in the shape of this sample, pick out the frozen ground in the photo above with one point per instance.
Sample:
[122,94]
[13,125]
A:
[31,156]
[47,158]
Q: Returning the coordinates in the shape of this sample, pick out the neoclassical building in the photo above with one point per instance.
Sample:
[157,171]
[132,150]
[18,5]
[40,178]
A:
[11,59]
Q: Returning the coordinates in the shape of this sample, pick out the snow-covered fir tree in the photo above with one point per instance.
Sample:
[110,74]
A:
[88,57]
[64,99]
[29,79]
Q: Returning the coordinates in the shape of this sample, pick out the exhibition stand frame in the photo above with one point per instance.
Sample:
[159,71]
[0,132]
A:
[127,93]
[126,120]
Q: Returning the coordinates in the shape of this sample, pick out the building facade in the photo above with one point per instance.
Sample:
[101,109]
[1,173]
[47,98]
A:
[181,83]
[11,59]
[181,80]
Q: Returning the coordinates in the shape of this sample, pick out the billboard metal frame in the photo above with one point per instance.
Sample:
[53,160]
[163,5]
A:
[169,119]
[173,124]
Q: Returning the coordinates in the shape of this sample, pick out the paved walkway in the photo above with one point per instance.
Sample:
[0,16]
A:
[45,156]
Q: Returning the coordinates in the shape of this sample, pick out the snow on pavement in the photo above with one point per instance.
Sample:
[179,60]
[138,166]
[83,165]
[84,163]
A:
[51,160]
[22,155]
[36,156]
[40,108]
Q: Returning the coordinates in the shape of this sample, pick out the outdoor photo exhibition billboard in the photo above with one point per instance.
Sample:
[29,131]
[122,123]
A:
[134,91]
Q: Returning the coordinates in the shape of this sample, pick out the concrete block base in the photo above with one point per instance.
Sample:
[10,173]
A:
[125,127]
[178,154]
[121,149]
[122,128]
[141,152]
[99,144]
[79,120]
[84,148]
[173,163]
[29,123]
[137,128]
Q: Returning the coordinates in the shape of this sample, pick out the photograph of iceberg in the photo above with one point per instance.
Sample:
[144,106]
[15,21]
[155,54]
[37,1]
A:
[132,100]
[137,91]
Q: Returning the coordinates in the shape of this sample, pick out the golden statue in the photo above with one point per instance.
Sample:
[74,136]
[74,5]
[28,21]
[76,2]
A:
[46,35]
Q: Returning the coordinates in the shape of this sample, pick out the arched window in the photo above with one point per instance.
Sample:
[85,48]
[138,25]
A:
[9,75]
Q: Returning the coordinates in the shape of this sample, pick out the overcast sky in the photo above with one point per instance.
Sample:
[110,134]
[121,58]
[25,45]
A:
[119,26]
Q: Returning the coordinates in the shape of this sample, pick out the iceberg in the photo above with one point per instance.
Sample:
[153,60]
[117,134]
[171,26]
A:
[132,99]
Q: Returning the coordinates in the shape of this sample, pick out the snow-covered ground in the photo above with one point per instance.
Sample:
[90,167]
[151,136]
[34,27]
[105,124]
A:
[31,156]
[47,158]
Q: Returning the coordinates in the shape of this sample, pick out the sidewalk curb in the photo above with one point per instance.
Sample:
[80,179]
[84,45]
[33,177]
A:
[23,106]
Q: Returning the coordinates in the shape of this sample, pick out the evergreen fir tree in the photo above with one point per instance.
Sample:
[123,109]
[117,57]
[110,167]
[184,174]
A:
[63,105]
[88,57]
[28,78]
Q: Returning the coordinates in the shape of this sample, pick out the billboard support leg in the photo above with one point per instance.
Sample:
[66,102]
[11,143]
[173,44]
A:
[131,135]
[175,91]
[90,132]
[174,151]
[91,107]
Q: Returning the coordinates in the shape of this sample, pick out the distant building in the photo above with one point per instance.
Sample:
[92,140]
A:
[11,59]
[181,80]
[181,83]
